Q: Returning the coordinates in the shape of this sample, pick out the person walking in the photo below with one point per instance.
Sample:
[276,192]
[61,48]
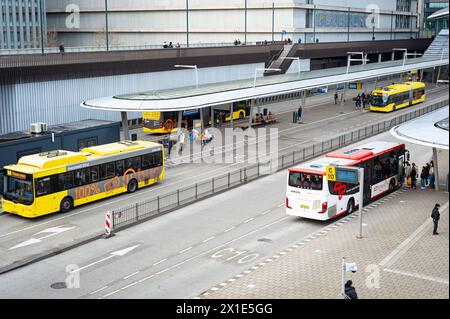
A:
[413,176]
[423,178]
[336,98]
[431,175]
[350,291]
[435,215]
[181,142]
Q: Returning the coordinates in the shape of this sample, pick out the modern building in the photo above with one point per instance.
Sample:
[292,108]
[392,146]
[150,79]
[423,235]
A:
[21,24]
[151,22]
[433,26]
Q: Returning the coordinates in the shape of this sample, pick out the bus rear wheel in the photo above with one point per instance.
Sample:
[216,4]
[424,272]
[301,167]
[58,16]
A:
[66,205]
[351,206]
[132,186]
[392,186]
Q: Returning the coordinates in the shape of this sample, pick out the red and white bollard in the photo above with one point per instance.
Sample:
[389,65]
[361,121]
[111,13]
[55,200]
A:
[108,224]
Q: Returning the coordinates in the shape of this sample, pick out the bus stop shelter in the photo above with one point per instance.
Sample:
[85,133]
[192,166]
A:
[210,95]
[431,131]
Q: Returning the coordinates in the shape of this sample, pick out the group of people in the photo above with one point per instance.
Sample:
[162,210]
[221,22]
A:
[426,175]
[170,45]
[193,136]
[361,100]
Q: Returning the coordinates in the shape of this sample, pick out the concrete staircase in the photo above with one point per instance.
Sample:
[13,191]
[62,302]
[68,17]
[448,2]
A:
[439,45]
[276,64]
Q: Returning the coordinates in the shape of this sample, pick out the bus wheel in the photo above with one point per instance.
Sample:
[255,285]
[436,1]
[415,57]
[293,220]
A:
[66,205]
[132,186]
[351,206]
[392,186]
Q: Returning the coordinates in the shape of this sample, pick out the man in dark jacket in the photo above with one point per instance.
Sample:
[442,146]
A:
[436,216]
[350,291]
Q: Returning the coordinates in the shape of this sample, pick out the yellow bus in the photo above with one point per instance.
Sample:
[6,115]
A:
[58,181]
[167,122]
[397,96]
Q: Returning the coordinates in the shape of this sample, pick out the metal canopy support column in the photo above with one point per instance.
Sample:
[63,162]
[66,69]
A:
[341,109]
[438,75]
[436,169]
[232,115]
[126,129]
[180,120]
[213,118]
[250,118]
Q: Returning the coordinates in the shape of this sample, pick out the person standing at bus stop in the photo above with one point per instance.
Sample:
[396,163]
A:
[336,98]
[413,176]
[435,215]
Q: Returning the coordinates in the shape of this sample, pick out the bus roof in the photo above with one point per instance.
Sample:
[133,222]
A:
[119,147]
[346,157]
[399,87]
[49,160]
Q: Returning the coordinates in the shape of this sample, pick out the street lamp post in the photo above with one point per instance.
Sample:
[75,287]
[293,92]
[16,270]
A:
[345,267]
[106,25]
[245,32]
[273,21]
[187,23]
[194,67]
[298,63]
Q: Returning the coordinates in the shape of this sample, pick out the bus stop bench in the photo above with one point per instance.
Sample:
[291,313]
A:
[268,120]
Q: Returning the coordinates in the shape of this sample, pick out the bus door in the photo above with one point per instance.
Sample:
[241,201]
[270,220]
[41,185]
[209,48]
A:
[401,169]
[368,171]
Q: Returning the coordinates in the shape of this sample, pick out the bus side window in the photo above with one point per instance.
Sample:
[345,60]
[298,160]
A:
[147,161]
[133,163]
[120,168]
[81,177]
[43,186]
[157,159]
[65,181]
[95,174]
[108,171]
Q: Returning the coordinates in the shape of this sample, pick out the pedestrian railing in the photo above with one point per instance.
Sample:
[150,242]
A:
[162,204]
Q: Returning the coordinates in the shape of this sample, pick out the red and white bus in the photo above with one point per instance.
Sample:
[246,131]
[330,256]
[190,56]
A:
[311,195]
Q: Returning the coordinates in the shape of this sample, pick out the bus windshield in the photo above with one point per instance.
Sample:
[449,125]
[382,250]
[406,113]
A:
[306,181]
[379,100]
[19,189]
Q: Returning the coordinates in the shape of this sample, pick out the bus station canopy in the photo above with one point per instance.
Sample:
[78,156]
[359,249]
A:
[429,130]
[187,98]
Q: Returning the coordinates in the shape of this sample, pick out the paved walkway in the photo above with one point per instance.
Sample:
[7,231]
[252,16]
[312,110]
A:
[398,245]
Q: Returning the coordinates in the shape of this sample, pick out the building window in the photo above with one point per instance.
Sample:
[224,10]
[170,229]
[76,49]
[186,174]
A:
[404,5]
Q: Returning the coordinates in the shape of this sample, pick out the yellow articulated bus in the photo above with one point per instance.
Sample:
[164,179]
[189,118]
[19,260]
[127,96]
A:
[58,181]
[397,96]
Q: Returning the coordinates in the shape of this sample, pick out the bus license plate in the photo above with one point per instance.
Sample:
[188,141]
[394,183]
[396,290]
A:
[304,206]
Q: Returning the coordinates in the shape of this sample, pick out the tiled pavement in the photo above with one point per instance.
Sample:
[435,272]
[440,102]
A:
[398,245]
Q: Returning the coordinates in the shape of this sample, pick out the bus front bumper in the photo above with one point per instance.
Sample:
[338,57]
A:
[18,209]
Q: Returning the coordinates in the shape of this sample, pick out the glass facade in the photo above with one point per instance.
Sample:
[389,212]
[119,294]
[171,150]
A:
[339,19]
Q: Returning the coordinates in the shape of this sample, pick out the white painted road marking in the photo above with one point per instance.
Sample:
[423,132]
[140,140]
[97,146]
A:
[119,253]
[420,276]
[51,231]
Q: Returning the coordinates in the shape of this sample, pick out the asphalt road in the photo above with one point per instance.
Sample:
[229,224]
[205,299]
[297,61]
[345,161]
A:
[21,238]
[181,254]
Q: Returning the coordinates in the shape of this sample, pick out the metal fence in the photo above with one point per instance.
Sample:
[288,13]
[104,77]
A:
[162,204]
